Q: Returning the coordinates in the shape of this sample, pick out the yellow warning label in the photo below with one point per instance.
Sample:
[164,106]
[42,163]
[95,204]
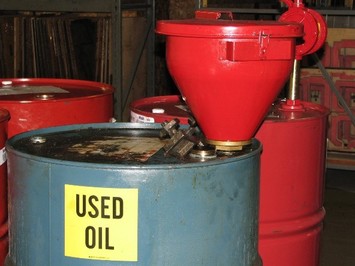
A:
[101,223]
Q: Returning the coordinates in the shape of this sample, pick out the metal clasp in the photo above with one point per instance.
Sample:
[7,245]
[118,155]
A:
[264,40]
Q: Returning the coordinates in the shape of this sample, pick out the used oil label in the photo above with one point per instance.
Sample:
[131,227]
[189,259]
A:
[101,223]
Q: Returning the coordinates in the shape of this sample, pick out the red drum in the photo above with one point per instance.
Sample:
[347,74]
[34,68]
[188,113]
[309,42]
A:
[159,109]
[292,184]
[40,103]
[4,117]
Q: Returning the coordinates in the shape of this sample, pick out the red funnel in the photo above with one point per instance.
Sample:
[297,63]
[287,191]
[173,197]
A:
[229,72]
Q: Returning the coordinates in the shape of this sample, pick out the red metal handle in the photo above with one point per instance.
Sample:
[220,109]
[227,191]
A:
[314,26]
[204,14]
[291,3]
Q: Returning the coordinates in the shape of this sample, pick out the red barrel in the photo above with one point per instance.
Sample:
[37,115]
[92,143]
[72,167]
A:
[40,103]
[159,109]
[291,183]
[4,117]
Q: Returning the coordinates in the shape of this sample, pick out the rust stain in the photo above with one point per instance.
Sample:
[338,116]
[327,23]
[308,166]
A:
[120,147]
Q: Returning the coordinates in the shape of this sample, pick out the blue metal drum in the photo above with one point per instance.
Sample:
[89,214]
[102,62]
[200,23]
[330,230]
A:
[105,194]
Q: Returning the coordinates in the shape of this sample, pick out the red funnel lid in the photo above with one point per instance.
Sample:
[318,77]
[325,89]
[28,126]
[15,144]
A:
[208,28]
[229,72]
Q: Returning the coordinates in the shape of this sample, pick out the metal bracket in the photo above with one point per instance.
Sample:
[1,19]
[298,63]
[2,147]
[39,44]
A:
[181,141]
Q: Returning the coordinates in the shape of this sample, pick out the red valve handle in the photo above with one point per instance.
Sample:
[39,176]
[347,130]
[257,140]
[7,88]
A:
[314,27]
[289,3]
[204,14]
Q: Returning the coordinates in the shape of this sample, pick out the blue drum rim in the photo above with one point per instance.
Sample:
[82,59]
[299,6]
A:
[123,125]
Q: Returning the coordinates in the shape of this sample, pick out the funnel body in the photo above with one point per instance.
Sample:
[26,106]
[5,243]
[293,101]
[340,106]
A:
[229,72]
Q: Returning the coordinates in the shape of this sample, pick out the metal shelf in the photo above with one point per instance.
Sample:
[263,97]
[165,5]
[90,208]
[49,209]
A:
[115,7]
[74,5]
[341,160]
[62,6]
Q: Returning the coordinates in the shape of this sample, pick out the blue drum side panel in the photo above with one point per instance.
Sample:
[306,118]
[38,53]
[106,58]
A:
[189,214]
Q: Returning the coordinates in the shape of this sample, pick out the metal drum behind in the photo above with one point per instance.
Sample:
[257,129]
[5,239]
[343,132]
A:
[42,102]
[159,109]
[292,184]
[105,194]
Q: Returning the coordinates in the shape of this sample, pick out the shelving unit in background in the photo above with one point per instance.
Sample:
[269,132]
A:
[123,61]
[332,84]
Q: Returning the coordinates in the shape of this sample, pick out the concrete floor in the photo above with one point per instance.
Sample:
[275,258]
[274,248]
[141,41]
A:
[338,237]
